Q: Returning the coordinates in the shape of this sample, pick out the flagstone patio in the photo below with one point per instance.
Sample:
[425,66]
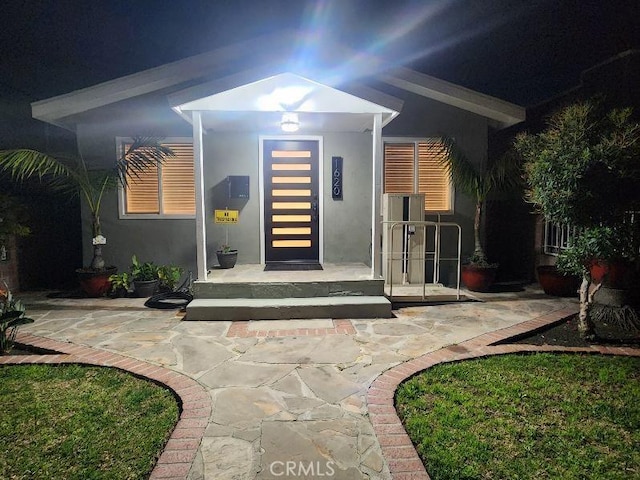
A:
[283,392]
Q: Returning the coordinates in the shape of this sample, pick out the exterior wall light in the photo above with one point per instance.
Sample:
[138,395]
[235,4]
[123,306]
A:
[289,123]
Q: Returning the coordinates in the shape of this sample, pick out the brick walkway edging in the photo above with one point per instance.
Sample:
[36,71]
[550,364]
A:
[175,461]
[400,454]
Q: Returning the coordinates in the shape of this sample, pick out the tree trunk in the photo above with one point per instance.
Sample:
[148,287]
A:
[585,325]
[478,252]
[95,223]
[97,262]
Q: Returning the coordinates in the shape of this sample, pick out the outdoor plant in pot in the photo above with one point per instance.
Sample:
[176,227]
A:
[121,284]
[583,170]
[557,283]
[145,277]
[168,277]
[478,181]
[227,256]
[72,176]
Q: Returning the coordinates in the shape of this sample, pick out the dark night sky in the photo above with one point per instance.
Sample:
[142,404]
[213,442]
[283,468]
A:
[520,50]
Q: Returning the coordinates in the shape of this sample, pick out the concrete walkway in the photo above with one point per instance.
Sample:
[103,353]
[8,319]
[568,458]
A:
[285,394]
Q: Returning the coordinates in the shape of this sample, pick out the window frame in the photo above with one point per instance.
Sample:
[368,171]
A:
[122,213]
[416,163]
[556,237]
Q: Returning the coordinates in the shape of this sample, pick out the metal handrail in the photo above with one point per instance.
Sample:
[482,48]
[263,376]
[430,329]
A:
[392,225]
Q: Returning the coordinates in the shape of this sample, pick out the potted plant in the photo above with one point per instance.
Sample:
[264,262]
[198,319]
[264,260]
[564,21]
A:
[120,284]
[557,283]
[73,176]
[168,277]
[478,181]
[227,256]
[12,315]
[606,251]
[583,170]
[145,277]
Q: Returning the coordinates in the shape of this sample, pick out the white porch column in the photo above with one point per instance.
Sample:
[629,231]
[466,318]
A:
[376,195]
[201,234]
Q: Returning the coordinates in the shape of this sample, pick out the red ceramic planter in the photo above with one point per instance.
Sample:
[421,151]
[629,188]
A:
[555,283]
[95,284]
[614,274]
[478,279]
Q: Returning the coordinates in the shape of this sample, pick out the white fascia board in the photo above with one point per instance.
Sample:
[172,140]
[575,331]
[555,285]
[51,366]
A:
[505,113]
[52,109]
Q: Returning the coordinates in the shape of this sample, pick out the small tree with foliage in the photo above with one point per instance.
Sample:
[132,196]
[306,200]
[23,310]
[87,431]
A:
[584,170]
[72,175]
[477,182]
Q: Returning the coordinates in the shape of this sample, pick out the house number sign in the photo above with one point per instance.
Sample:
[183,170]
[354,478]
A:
[336,178]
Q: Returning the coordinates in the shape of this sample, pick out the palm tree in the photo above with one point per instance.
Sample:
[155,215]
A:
[477,181]
[71,176]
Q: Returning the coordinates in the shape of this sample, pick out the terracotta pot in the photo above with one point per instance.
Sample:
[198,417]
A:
[95,283]
[557,284]
[227,259]
[612,273]
[478,279]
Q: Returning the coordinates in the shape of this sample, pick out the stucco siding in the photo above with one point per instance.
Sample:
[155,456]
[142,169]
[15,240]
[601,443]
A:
[347,222]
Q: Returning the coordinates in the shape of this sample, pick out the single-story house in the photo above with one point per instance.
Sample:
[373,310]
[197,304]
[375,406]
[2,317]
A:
[299,135]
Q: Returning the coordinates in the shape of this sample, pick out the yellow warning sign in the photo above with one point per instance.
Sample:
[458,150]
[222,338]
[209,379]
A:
[226,216]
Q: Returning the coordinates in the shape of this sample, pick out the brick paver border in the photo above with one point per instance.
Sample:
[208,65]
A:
[400,454]
[340,327]
[195,403]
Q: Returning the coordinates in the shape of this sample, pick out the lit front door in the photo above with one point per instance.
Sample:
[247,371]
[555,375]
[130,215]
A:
[291,201]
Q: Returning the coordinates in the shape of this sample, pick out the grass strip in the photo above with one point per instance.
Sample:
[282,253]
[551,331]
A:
[78,422]
[526,417]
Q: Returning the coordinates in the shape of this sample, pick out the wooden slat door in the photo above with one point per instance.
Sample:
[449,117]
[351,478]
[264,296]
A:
[291,201]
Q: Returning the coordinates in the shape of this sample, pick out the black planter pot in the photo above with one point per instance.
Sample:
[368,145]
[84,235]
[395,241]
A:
[227,259]
[145,288]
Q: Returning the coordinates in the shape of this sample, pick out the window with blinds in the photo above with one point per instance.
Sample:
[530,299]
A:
[415,167]
[168,189]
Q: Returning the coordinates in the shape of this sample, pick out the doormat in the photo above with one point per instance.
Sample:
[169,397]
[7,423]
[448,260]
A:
[290,267]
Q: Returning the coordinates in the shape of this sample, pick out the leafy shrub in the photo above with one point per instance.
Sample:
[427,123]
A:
[12,315]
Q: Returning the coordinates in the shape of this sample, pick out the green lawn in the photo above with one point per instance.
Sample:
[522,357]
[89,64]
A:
[85,423]
[539,416]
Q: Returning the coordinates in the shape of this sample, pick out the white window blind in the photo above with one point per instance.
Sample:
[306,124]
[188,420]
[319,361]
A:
[415,167]
[165,190]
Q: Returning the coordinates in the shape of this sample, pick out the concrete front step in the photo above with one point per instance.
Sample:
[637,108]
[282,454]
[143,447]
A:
[295,289]
[363,306]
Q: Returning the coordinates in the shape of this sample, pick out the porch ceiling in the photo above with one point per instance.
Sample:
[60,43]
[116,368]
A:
[259,105]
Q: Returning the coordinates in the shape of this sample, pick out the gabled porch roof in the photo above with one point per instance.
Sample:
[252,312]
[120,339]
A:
[259,104]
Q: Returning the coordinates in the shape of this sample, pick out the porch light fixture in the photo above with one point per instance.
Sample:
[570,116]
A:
[289,123]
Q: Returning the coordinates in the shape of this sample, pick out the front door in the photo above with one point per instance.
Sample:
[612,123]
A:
[291,216]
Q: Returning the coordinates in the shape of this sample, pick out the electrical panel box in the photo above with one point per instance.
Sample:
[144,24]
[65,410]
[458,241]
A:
[402,250]
[238,186]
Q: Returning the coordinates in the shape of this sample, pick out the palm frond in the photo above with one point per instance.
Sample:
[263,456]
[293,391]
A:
[504,172]
[462,172]
[21,164]
[142,153]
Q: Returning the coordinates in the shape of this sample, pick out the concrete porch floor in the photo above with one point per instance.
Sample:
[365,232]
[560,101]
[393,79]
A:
[254,273]
[282,390]
[344,272]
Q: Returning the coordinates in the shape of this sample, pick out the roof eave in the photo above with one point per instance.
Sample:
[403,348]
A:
[504,113]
